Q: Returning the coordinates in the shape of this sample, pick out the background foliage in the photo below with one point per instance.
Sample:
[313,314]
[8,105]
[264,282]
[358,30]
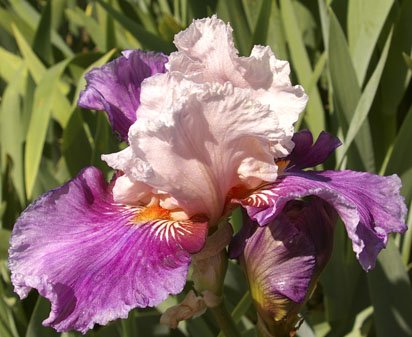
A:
[352,56]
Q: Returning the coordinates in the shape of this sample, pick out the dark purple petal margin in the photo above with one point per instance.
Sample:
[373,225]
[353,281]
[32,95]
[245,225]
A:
[306,154]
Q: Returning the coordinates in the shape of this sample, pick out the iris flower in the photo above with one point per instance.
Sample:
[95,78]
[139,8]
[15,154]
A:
[207,131]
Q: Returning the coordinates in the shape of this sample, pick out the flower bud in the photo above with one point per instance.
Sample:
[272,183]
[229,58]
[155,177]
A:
[283,261]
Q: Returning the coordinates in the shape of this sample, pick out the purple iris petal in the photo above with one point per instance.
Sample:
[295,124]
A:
[306,154]
[115,87]
[283,259]
[93,259]
[369,205]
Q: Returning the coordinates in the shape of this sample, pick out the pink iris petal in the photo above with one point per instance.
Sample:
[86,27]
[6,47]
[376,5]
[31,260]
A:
[96,260]
[213,122]
[206,53]
[370,205]
[115,87]
[197,141]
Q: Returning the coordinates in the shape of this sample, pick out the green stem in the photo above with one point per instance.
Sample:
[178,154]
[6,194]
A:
[225,320]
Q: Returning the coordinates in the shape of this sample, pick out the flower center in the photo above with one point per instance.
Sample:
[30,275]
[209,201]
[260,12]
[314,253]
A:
[154,212]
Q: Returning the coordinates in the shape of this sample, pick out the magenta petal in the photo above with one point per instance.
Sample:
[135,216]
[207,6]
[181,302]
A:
[306,154]
[92,259]
[283,259]
[370,205]
[115,87]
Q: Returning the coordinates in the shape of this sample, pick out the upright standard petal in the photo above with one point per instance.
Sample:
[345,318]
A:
[283,260]
[306,154]
[206,53]
[115,87]
[96,260]
[370,205]
[198,141]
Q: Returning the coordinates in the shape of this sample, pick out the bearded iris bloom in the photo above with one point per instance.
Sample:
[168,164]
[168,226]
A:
[207,131]
[285,243]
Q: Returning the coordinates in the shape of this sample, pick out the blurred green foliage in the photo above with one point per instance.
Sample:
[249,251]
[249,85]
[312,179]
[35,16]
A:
[352,56]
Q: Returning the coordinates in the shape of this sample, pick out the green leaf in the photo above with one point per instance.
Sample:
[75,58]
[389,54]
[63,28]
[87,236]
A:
[242,307]
[362,324]
[128,326]
[314,116]
[317,72]
[260,33]
[36,68]
[11,134]
[400,160]
[366,100]
[139,12]
[61,109]
[346,92]
[4,243]
[408,60]
[31,17]
[395,77]
[79,17]
[407,239]
[168,27]
[324,21]
[366,19]
[76,146]
[276,36]
[192,9]
[252,10]
[110,33]
[45,95]
[9,65]
[344,273]
[8,18]
[149,40]
[40,313]
[42,39]
[232,11]
[391,294]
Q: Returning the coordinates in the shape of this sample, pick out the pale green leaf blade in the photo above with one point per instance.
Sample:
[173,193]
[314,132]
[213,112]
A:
[79,17]
[11,134]
[391,294]
[346,91]
[44,97]
[408,60]
[148,39]
[35,66]
[366,99]
[276,36]
[42,40]
[31,17]
[396,75]
[314,115]
[400,160]
[4,243]
[366,19]
[9,65]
